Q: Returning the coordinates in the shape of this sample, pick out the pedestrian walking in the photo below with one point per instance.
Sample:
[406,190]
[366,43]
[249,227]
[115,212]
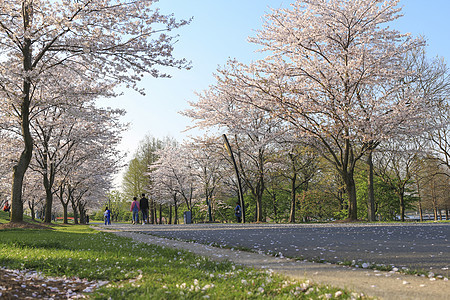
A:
[143,203]
[135,209]
[238,212]
[107,215]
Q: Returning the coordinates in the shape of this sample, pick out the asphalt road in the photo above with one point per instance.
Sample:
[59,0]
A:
[423,247]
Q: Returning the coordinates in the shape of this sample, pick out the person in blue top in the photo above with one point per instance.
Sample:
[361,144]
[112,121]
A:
[107,215]
[238,212]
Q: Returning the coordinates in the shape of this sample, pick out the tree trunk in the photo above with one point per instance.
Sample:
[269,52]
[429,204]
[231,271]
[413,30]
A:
[402,205]
[22,165]
[170,214]
[160,214]
[176,214]
[258,195]
[64,204]
[351,192]
[75,212]
[31,205]
[48,200]
[82,211]
[370,192]
[434,200]
[260,187]
[152,212]
[25,157]
[420,210]
[208,202]
[302,205]
[420,201]
[274,205]
[175,221]
[65,219]
[293,192]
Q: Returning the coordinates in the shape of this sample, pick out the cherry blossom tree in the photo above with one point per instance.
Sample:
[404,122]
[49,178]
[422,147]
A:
[252,130]
[104,41]
[174,170]
[34,194]
[137,177]
[75,145]
[164,192]
[58,131]
[91,177]
[334,70]
[207,166]
[8,147]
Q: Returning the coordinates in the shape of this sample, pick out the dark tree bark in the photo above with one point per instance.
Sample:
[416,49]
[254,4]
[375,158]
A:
[64,204]
[49,178]
[370,190]
[175,209]
[293,197]
[24,160]
[351,192]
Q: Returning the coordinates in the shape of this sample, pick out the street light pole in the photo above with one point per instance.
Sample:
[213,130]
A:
[241,197]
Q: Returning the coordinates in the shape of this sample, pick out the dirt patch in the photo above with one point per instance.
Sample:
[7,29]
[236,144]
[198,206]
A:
[23,284]
[24,225]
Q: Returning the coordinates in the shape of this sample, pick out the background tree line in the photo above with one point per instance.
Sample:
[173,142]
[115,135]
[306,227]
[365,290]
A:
[299,185]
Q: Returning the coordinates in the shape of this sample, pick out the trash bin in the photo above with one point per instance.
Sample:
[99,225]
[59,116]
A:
[187,217]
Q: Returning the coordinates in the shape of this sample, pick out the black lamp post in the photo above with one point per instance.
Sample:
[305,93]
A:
[241,198]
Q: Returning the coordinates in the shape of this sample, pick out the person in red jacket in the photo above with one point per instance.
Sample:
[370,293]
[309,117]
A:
[6,208]
[135,209]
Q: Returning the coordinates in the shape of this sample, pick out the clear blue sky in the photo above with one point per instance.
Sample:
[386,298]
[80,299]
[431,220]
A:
[219,31]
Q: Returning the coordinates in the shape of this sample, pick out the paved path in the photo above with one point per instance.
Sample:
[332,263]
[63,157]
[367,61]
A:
[415,246]
[386,285]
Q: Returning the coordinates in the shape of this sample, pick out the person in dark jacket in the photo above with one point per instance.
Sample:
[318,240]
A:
[143,203]
[238,212]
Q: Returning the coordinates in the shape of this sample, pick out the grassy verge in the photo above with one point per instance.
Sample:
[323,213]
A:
[138,271]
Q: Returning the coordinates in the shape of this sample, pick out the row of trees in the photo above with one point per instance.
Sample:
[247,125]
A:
[343,114]
[299,184]
[58,58]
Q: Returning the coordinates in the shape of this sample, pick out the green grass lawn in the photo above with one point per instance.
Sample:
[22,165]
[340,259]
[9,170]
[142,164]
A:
[140,271]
